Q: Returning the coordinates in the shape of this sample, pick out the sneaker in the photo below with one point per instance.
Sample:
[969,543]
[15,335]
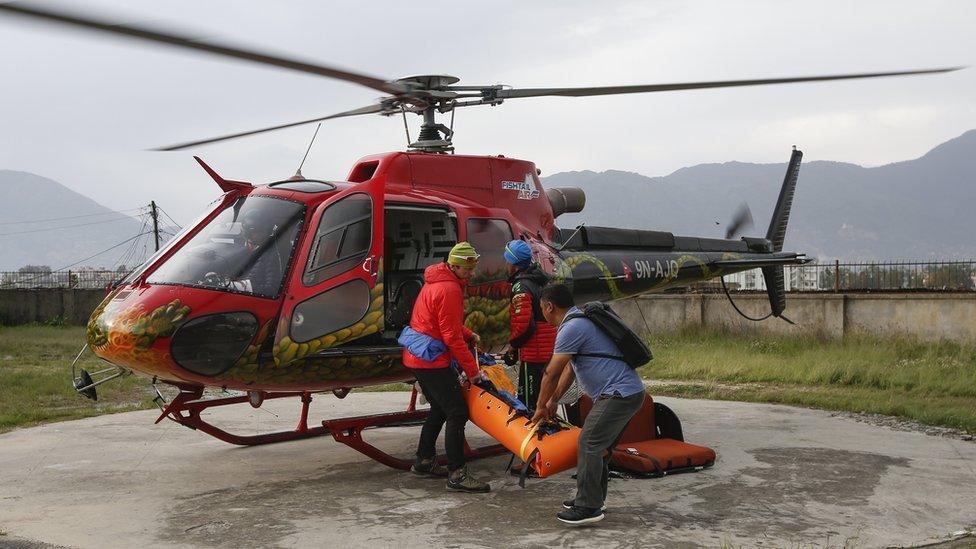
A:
[570,503]
[580,515]
[460,480]
[428,468]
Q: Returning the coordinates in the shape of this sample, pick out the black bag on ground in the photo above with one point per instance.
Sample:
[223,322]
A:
[632,348]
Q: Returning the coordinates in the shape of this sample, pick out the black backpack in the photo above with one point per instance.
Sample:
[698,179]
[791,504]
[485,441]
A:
[635,352]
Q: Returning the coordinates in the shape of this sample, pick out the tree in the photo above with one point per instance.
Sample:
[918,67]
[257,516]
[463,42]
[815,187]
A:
[35,269]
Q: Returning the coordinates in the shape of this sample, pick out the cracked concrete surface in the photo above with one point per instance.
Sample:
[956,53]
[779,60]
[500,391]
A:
[784,477]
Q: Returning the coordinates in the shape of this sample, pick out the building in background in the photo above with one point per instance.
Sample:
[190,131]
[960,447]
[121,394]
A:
[798,279]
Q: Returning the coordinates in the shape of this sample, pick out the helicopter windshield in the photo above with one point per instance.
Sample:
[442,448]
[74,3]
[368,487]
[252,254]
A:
[244,249]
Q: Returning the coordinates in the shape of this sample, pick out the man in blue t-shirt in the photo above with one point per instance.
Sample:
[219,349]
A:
[616,390]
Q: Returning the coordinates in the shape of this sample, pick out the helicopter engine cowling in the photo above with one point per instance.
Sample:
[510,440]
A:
[566,200]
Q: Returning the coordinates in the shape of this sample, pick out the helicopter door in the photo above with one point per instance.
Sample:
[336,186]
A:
[335,294]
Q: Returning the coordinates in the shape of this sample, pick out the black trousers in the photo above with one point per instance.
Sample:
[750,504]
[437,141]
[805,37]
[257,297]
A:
[447,405]
[530,381]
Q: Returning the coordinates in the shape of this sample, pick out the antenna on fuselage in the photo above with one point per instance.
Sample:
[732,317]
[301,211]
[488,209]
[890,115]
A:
[298,173]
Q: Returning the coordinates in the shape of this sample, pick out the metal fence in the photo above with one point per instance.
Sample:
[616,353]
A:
[84,279]
[941,276]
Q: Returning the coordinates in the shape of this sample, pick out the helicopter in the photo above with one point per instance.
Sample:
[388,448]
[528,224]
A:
[301,286]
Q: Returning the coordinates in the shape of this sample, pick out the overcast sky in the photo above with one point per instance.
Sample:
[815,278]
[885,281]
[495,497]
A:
[83,109]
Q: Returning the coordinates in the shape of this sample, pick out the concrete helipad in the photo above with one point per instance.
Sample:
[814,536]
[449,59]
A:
[784,477]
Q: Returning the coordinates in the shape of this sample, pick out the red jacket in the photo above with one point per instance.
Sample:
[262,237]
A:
[530,333]
[439,313]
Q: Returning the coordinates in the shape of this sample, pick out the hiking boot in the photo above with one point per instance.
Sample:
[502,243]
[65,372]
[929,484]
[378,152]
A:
[580,515]
[570,503]
[460,480]
[428,468]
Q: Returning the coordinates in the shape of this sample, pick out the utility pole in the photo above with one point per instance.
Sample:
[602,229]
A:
[155,218]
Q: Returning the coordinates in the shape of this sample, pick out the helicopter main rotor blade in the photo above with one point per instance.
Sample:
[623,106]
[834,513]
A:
[645,88]
[371,109]
[159,36]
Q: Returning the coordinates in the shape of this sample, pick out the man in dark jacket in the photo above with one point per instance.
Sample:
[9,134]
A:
[435,338]
[531,337]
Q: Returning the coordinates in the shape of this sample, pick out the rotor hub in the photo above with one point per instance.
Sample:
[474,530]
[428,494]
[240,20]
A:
[428,81]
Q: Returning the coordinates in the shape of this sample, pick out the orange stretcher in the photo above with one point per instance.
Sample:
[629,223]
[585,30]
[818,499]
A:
[547,454]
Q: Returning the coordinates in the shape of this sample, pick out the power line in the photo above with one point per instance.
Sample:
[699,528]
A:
[69,226]
[130,251]
[126,241]
[127,254]
[173,221]
[123,212]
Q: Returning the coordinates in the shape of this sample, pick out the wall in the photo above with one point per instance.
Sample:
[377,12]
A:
[48,304]
[929,317]
[926,316]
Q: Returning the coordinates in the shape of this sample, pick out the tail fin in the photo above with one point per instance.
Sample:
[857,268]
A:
[776,288]
[781,215]
[773,275]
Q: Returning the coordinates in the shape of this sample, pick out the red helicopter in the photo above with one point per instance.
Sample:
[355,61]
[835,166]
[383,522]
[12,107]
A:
[301,286]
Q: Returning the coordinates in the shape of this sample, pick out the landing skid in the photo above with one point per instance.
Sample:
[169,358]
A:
[186,408]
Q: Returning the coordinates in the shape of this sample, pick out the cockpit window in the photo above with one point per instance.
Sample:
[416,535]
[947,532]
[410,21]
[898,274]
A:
[245,249]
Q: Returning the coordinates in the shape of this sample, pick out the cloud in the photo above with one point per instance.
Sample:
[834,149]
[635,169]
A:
[81,109]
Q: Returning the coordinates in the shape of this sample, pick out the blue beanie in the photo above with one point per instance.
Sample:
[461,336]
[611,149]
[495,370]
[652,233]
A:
[518,253]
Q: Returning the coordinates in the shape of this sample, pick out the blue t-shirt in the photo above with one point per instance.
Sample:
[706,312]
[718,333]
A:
[596,375]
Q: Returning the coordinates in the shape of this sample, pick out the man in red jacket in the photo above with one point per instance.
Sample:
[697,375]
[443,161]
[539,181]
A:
[532,337]
[435,338]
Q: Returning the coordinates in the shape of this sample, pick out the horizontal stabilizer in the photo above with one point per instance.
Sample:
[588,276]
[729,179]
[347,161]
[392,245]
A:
[763,262]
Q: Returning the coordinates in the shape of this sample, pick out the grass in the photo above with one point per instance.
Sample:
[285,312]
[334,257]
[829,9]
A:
[933,383]
[35,378]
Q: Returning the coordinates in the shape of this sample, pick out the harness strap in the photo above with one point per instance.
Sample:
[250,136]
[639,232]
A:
[602,355]
[528,438]
[652,459]
[525,469]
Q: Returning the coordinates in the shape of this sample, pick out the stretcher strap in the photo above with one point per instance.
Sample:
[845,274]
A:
[525,442]
[652,459]
[525,468]
[535,431]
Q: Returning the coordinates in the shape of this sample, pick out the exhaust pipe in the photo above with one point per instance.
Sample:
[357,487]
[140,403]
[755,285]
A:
[566,200]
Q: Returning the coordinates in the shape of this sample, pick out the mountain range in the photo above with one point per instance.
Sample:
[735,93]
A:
[916,209]
[42,222]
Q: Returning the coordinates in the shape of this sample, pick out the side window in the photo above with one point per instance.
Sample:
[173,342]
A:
[329,311]
[342,239]
[489,236]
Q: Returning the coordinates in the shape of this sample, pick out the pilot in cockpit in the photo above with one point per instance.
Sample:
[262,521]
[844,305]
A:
[262,263]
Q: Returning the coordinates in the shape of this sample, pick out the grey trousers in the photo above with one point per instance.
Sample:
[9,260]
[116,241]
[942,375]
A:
[601,431]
